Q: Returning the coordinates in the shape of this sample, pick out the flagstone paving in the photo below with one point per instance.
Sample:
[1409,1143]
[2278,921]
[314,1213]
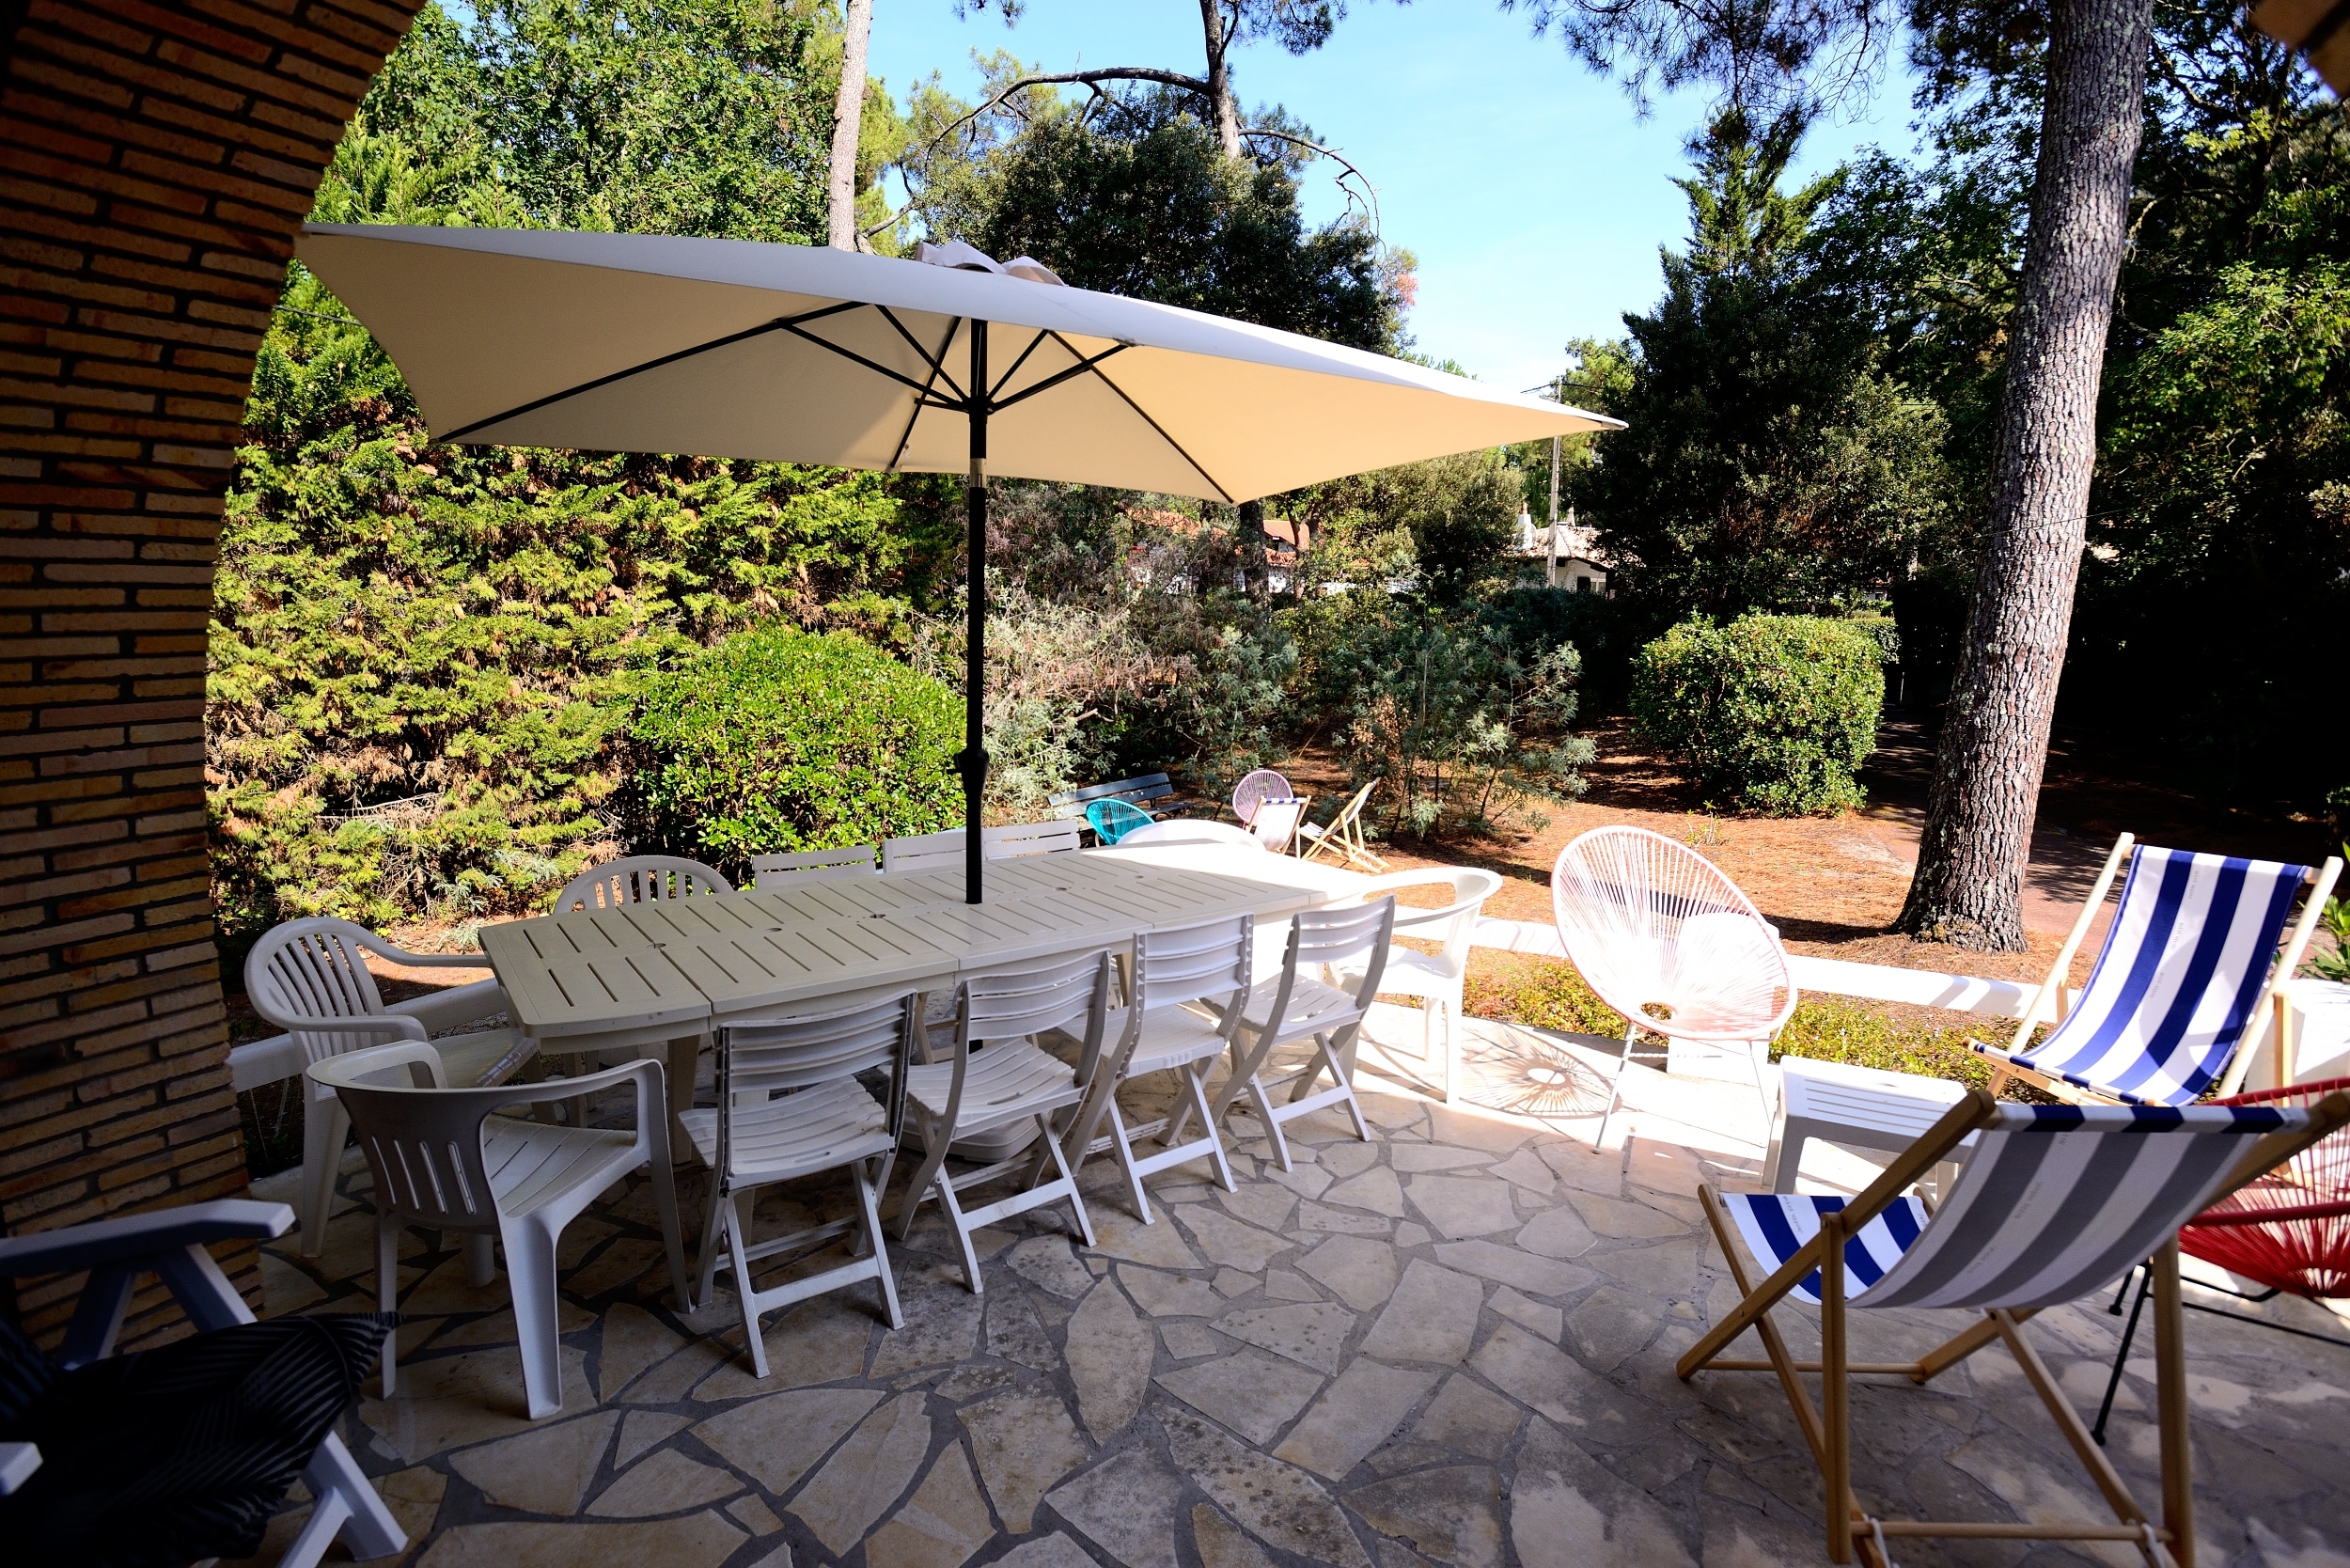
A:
[1452,1344]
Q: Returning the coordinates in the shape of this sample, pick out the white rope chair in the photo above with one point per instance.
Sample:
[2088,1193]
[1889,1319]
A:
[1670,942]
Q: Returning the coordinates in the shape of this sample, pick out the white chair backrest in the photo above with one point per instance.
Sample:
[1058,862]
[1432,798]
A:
[1651,924]
[761,1058]
[1254,790]
[312,970]
[1455,923]
[1013,1003]
[1193,963]
[1274,822]
[1160,835]
[639,879]
[1015,840]
[802,865]
[423,1139]
[924,851]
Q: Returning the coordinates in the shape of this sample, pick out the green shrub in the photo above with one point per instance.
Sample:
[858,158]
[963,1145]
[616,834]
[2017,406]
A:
[779,739]
[1773,712]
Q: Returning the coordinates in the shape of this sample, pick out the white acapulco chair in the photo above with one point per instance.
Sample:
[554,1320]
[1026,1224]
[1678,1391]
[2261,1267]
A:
[789,1105]
[804,866]
[307,974]
[1670,942]
[639,879]
[443,1160]
[1155,1032]
[1011,1081]
[1439,979]
[1254,790]
[1293,1006]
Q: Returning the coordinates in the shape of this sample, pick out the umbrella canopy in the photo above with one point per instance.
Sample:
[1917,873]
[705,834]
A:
[722,348]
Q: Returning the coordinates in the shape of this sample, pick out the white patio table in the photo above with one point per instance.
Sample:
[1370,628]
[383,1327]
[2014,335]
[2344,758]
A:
[668,973]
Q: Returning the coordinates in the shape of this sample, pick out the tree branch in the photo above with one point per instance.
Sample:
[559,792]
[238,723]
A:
[1370,190]
[1089,78]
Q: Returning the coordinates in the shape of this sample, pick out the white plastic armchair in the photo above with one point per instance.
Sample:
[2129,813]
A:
[639,879]
[170,1244]
[1667,940]
[309,978]
[1439,979]
[443,1160]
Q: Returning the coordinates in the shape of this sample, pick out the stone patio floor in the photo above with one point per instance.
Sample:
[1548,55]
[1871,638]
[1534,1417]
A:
[1452,1344]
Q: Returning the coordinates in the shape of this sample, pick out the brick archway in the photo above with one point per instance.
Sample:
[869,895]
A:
[156,160]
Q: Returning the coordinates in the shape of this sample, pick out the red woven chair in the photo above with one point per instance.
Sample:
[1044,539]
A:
[2288,1231]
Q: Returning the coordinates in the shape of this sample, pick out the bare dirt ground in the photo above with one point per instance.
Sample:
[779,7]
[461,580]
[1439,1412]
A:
[1834,884]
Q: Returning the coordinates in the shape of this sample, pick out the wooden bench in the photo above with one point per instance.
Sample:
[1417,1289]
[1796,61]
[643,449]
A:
[1140,791]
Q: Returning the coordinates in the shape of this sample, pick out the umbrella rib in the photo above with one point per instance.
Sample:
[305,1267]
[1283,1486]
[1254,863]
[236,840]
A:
[938,362]
[1005,379]
[780,323]
[1072,372]
[938,367]
[921,390]
[1144,415]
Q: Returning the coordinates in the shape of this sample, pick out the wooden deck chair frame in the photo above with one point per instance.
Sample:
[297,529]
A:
[802,867]
[1345,835]
[1828,1427]
[2052,1002]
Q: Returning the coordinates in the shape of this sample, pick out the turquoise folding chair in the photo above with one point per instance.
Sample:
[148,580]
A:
[1113,819]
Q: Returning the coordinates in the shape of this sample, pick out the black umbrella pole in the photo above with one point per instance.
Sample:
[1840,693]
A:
[974,759]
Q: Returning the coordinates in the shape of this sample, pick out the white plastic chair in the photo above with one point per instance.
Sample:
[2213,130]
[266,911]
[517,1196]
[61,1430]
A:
[804,866]
[1670,942]
[639,879]
[443,1161]
[1011,1081]
[789,1105]
[923,852]
[1292,1006]
[1254,790]
[1015,840]
[305,973]
[1437,980]
[1155,1033]
[1190,831]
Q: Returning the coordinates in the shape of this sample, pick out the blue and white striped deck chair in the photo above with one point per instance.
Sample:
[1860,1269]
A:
[2055,1202]
[2178,997]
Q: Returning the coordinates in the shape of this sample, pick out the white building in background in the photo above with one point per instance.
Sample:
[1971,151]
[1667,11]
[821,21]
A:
[1562,556]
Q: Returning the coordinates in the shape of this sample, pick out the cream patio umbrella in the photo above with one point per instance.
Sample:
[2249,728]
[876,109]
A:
[947,364]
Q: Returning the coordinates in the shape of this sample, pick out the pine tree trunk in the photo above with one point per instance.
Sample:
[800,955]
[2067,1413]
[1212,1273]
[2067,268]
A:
[1969,884]
[1220,78]
[848,114]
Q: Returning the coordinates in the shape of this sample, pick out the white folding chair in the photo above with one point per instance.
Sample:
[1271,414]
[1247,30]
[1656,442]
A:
[1344,835]
[1015,840]
[309,972]
[804,866]
[639,879]
[924,851]
[443,1160]
[789,1105]
[1155,1033]
[1438,979]
[1293,1006]
[1011,1081]
[1274,822]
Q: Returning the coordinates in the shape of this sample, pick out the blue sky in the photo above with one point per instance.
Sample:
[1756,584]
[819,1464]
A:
[1533,196]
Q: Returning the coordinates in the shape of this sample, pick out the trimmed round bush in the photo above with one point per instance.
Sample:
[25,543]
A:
[779,739]
[1774,714]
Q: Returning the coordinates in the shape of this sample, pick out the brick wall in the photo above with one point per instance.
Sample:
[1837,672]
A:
[155,163]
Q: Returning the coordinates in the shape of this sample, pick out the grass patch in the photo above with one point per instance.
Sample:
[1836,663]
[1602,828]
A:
[1546,994]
